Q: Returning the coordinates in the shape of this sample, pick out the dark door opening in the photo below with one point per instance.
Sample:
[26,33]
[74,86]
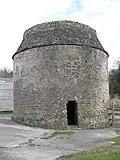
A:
[72,113]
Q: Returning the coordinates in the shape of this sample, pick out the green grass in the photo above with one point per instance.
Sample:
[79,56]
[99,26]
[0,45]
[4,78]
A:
[58,133]
[99,153]
[64,24]
[83,154]
[6,112]
[116,140]
[108,156]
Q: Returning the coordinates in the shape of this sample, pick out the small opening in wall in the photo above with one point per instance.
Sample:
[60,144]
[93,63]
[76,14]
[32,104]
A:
[72,113]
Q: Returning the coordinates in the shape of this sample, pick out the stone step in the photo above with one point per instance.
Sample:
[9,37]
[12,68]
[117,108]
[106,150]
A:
[116,123]
[73,127]
[117,109]
[117,120]
[116,117]
[116,126]
[116,113]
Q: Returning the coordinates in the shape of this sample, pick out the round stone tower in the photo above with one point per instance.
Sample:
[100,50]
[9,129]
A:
[61,77]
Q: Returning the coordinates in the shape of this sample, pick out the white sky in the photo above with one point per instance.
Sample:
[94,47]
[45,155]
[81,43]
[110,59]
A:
[18,15]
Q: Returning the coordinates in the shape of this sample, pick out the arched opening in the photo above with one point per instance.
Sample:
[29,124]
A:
[72,113]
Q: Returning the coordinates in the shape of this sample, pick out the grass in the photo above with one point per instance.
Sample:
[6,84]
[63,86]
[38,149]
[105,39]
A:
[64,24]
[116,140]
[108,156]
[6,112]
[111,152]
[58,133]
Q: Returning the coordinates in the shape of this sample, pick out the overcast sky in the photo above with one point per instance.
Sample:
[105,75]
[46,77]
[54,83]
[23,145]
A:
[18,15]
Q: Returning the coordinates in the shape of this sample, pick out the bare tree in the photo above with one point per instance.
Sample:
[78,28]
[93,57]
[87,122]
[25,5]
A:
[114,80]
[6,73]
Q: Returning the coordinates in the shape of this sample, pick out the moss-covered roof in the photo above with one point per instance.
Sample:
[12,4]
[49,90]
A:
[59,33]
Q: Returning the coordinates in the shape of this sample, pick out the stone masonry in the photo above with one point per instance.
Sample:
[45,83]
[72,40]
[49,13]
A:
[56,63]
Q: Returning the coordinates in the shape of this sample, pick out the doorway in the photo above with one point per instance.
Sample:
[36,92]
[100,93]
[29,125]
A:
[72,113]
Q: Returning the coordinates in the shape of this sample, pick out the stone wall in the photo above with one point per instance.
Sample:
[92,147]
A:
[53,76]
[48,76]
[6,94]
